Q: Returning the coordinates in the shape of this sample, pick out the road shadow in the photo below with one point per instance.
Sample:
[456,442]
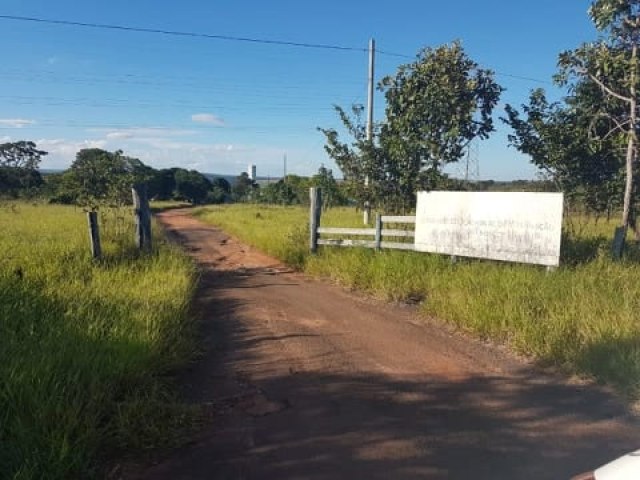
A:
[347,424]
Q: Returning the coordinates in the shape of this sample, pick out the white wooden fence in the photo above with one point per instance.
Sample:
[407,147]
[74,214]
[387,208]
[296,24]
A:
[378,233]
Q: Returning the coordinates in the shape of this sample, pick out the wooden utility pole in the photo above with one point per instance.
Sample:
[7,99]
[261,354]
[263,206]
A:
[284,161]
[372,54]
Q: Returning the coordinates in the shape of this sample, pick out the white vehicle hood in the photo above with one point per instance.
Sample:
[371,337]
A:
[624,468]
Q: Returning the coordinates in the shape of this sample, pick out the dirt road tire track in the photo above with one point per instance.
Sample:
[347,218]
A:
[308,381]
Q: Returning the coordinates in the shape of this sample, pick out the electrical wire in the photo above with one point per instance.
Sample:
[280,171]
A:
[127,28]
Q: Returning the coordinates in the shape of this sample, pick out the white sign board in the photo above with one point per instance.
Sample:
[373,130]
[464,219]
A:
[510,226]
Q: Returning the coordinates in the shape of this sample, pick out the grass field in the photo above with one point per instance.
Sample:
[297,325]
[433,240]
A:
[83,344]
[584,317]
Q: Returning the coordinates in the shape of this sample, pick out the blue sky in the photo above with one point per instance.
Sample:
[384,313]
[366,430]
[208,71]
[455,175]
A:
[217,105]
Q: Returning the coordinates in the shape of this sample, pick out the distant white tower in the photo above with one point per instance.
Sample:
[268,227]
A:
[252,172]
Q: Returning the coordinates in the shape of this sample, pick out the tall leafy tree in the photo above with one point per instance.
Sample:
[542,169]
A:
[220,191]
[191,186]
[19,162]
[101,178]
[435,106]
[567,142]
[243,187]
[611,64]
[279,193]
[359,159]
[162,184]
[331,194]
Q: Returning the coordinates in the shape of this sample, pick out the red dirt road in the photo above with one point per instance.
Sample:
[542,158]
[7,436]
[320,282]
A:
[308,381]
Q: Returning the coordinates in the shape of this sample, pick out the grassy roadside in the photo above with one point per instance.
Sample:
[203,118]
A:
[584,317]
[83,345]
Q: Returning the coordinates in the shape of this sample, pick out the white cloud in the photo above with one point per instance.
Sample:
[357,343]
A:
[52,60]
[16,122]
[62,152]
[143,132]
[119,135]
[207,118]
[164,148]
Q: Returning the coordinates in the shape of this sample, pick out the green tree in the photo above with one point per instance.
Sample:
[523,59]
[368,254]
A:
[162,185]
[572,149]
[220,191]
[611,64]
[222,184]
[279,193]
[61,188]
[300,186]
[367,168]
[19,162]
[101,178]
[192,186]
[331,194]
[243,187]
[435,106]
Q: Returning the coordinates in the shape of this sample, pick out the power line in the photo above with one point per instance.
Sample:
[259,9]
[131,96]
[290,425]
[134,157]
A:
[502,74]
[177,33]
[393,54]
[527,79]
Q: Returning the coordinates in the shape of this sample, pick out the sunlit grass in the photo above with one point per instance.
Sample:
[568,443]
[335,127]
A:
[583,317]
[82,343]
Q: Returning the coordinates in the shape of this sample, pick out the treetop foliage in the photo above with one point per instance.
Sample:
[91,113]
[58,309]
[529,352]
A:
[435,106]
[588,142]
[19,162]
[21,154]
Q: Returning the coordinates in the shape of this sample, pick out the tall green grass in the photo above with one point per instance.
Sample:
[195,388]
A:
[83,344]
[584,317]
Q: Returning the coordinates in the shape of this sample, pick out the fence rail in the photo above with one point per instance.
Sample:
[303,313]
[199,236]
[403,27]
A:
[397,219]
[347,231]
[378,233]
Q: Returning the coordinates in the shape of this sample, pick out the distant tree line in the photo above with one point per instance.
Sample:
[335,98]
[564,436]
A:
[100,178]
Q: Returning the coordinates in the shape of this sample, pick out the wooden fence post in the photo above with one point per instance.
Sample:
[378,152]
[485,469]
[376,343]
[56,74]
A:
[142,215]
[315,209]
[94,234]
[378,231]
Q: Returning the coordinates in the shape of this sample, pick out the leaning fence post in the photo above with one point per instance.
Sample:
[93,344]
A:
[315,197]
[378,231]
[142,217]
[94,234]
